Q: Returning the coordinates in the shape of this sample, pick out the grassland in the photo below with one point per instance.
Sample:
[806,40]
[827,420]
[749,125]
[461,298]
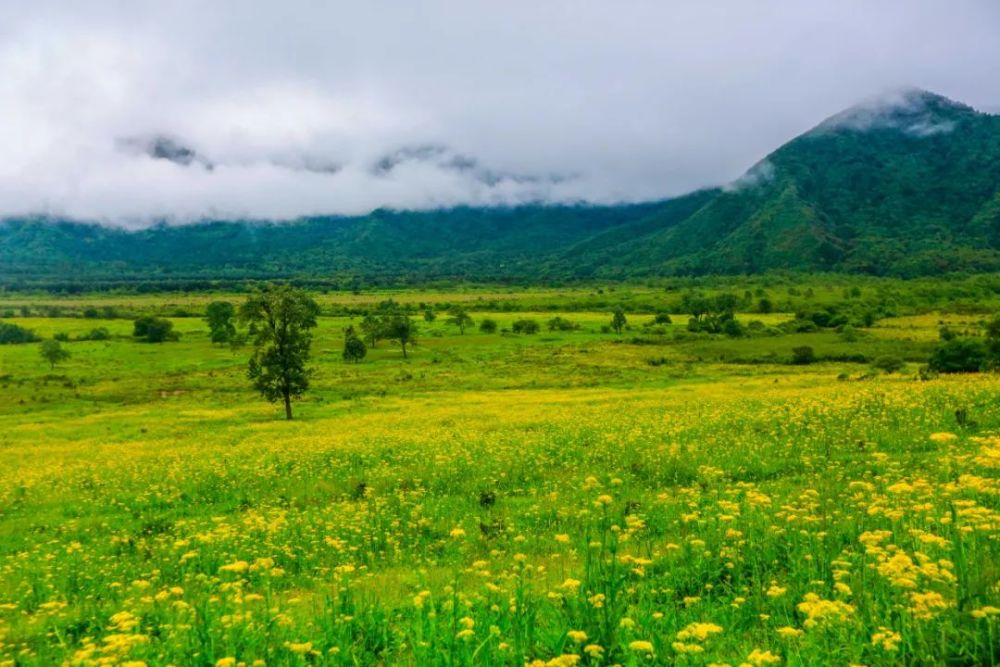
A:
[564,498]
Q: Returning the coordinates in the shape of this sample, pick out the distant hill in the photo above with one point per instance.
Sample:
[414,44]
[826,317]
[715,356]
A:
[904,186]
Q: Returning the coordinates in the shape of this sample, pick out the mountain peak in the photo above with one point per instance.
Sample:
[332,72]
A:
[913,111]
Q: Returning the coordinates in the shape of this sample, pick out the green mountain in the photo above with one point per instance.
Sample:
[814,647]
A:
[908,186]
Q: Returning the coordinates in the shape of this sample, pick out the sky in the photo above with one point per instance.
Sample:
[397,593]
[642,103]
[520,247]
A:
[275,110]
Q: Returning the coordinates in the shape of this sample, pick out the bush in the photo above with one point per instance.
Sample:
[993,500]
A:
[733,329]
[62,337]
[958,355]
[888,364]
[354,349]
[486,325]
[562,324]
[12,334]
[97,333]
[525,326]
[154,330]
[662,318]
[803,355]
[848,334]
[799,326]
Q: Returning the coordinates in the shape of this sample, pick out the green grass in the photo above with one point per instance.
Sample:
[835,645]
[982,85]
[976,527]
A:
[491,497]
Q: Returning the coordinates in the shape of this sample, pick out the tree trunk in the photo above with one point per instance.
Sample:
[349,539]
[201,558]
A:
[404,349]
[288,406]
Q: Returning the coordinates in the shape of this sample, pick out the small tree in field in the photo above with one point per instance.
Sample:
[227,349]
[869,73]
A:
[354,349]
[372,328]
[401,328]
[460,319]
[52,351]
[280,319]
[486,325]
[618,320]
[219,316]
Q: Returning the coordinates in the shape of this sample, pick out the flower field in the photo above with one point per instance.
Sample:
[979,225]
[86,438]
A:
[744,516]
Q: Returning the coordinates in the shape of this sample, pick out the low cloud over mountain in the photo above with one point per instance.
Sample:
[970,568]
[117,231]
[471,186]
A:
[136,112]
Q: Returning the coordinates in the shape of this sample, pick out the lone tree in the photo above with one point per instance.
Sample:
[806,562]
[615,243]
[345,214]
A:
[280,318]
[460,319]
[219,316]
[52,351]
[618,320]
[401,328]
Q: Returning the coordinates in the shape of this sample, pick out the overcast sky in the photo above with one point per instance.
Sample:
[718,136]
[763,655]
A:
[340,107]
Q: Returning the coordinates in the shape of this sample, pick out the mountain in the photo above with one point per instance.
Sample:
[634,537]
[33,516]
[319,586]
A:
[905,185]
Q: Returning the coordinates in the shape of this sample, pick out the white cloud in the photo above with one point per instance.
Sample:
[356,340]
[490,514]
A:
[293,104]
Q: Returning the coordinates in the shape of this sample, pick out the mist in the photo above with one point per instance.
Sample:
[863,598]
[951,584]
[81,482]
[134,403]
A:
[135,112]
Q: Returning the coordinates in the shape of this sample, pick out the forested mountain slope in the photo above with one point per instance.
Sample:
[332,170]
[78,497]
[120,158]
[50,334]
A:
[909,186]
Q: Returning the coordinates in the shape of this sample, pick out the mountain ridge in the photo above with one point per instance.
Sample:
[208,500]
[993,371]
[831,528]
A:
[907,185]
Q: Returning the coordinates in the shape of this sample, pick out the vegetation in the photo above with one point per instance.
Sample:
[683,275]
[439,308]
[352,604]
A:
[154,329]
[354,348]
[280,318]
[460,318]
[618,320]
[665,497]
[220,316]
[854,195]
[53,353]
[803,354]
[400,328]
[525,326]
[12,334]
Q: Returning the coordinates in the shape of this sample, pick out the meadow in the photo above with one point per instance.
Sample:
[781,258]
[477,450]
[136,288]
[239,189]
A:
[564,498]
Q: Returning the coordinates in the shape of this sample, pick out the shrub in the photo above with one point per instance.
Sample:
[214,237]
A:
[733,329]
[803,355]
[354,349]
[562,324]
[486,325]
[154,329]
[848,334]
[888,364]
[525,326]
[958,355]
[97,333]
[12,334]
[662,318]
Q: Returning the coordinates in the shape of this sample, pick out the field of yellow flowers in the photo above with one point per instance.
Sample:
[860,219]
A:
[501,513]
